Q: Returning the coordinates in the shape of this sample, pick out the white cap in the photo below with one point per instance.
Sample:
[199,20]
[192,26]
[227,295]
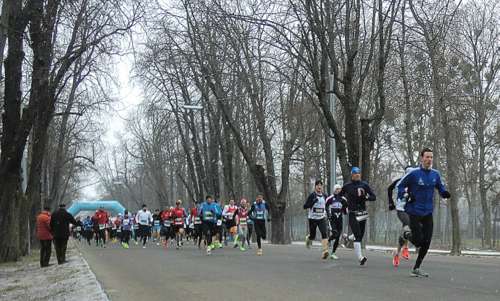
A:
[337,186]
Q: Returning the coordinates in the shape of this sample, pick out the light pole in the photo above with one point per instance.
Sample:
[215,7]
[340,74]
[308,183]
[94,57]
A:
[333,150]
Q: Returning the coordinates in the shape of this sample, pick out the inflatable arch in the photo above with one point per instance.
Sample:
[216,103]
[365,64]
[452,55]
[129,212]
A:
[110,205]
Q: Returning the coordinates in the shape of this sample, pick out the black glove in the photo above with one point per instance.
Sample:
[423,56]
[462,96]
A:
[446,195]
[392,207]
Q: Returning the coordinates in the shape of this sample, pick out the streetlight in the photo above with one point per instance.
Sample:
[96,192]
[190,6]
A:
[333,150]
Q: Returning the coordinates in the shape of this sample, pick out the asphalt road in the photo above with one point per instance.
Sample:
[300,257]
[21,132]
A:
[285,273]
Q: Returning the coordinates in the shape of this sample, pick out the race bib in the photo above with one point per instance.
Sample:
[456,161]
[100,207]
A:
[136,226]
[157,222]
[126,222]
[336,205]
[260,215]
[361,215]
[119,231]
[243,220]
[229,215]
[208,216]
[166,223]
[102,227]
[197,221]
[144,221]
[179,221]
[219,222]
[78,228]
[318,210]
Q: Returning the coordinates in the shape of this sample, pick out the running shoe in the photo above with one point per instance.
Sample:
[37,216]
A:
[259,252]
[242,249]
[363,260]
[405,253]
[325,255]
[209,250]
[418,273]
[334,257]
[395,260]
[308,242]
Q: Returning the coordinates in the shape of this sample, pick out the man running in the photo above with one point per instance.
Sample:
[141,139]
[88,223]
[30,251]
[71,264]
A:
[88,229]
[316,215]
[102,220]
[144,218]
[219,229]
[166,226]
[178,214]
[196,221]
[334,209]
[420,184]
[229,213]
[402,247]
[126,228]
[259,213]
[156,226]
[356,193]
[209,213]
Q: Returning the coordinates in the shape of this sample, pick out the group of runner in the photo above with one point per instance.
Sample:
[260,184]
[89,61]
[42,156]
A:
[414,206]
[212,224]
[206,222]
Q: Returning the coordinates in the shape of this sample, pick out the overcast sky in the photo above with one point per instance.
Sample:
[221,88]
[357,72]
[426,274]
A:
[128,97]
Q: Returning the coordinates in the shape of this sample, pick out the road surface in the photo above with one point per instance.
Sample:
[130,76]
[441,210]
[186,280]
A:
[285,273]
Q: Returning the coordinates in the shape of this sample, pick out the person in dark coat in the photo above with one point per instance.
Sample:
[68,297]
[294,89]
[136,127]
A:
[44,235]
[59,223]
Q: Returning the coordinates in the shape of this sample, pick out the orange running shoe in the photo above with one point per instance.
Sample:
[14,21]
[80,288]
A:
[405,253]
[395,260]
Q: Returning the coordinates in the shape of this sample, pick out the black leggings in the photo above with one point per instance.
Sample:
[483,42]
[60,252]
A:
[144,231]
[321,225]
[336,224]
[421,235]
[102,235]
[249,234]
[125,236]
[358,228]
[260,231]
[208,231]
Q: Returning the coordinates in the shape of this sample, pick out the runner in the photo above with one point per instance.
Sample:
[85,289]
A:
[219,229]
[166,229]
[356,193]
[335,208]
[88,229]
[242,222]
[316,216]
[118,227]
[230,213]
[420,184]
[135,230]
[179,214]
[209,213]
[77,229]
[102,219]
[258,213]
[156,227]
[144,219]
[402,247]
[126,227]
[196,221]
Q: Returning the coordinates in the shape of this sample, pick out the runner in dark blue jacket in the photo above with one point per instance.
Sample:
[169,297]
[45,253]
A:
[420,185]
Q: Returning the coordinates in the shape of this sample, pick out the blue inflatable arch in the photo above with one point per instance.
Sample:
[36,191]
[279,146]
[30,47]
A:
[109,205]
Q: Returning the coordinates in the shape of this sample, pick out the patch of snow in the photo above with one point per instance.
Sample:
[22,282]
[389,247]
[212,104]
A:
[73,280]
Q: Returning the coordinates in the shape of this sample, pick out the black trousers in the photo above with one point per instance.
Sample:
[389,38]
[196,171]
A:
[336,225]
[358,228]
[421,235]
[318,223]
[45,252]
[208,229]
[60,244]
[260,231]
[125,237]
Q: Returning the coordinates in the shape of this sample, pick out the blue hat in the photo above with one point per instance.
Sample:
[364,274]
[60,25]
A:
[355,170]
